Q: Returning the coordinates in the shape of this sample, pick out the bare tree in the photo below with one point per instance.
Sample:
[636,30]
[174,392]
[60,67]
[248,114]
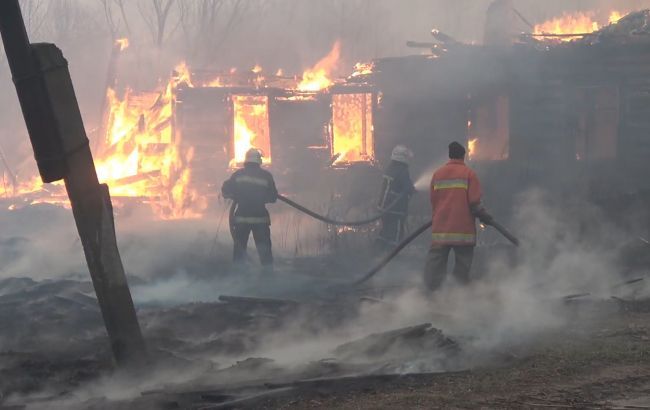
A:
[156,14]
[208,24]
[120,5]
[115,16]
[62,18]
[33,14]
[199,22]
[111,23]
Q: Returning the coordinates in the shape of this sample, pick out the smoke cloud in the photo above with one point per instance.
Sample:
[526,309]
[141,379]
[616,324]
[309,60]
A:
[516,296]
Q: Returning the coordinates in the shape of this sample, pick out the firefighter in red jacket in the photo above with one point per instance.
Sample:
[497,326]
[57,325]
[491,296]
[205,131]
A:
[456,203]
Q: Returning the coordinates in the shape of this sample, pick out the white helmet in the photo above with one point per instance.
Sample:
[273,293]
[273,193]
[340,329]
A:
[401,154]
[253,155]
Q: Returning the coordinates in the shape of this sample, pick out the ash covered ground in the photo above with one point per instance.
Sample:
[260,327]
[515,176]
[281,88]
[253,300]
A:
[561,321]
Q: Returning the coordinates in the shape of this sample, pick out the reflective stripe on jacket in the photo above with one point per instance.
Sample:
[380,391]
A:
[397,188]
[253,220]
[455,194]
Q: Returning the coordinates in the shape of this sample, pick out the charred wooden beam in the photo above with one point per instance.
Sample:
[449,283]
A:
[524,19]
[442,37]
[143,176]
[562,35]
[436,49]
[257,301]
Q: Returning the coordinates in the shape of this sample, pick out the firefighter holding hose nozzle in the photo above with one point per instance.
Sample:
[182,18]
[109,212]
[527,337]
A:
[251,188]
[397,189]
[456,203]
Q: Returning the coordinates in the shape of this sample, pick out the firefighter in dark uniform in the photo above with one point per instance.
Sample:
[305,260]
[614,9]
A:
[397,189]
[251,188]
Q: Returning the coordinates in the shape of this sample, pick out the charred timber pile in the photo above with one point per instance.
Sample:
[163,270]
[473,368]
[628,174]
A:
[410,342]
[380,355]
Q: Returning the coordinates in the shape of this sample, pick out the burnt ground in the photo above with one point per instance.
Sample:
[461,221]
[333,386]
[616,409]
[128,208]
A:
[303,339]
[603,369]
[599,358]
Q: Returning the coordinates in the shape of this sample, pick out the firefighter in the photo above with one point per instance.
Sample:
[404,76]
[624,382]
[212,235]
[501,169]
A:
[251,188]
[397,188]
[455,203]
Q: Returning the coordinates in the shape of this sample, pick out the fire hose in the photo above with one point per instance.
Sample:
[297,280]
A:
[339,223]
[321,217]
[372,272]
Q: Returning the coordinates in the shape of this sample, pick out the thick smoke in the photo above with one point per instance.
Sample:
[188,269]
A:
[510,302]
[517,295]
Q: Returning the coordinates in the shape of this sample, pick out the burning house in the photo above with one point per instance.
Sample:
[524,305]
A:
[204,121]
[563,108]
[580,105]
[573,93]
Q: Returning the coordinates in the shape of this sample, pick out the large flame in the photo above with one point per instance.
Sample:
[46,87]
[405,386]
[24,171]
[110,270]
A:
[319,76]
[575,23]
[615,16]
[250,127]
[352,130]
[141,158]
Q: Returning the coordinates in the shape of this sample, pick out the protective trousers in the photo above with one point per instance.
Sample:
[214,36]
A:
[436,268]
[262,237]
[392,229]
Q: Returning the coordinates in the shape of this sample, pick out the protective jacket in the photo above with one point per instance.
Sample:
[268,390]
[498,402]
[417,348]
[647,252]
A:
[251,188]
[455,202]
[397,186]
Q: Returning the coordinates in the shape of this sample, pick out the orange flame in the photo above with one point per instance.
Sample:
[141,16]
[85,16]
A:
[615,17]
[362,69]
[471,148]
[318,77]
[352,130]
[250,127]
[214,83]
[123,43]
[31,191]
[142,159]
[182,75]
[574,23]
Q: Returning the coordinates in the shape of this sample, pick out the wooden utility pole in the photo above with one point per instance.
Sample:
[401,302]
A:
[56,130]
